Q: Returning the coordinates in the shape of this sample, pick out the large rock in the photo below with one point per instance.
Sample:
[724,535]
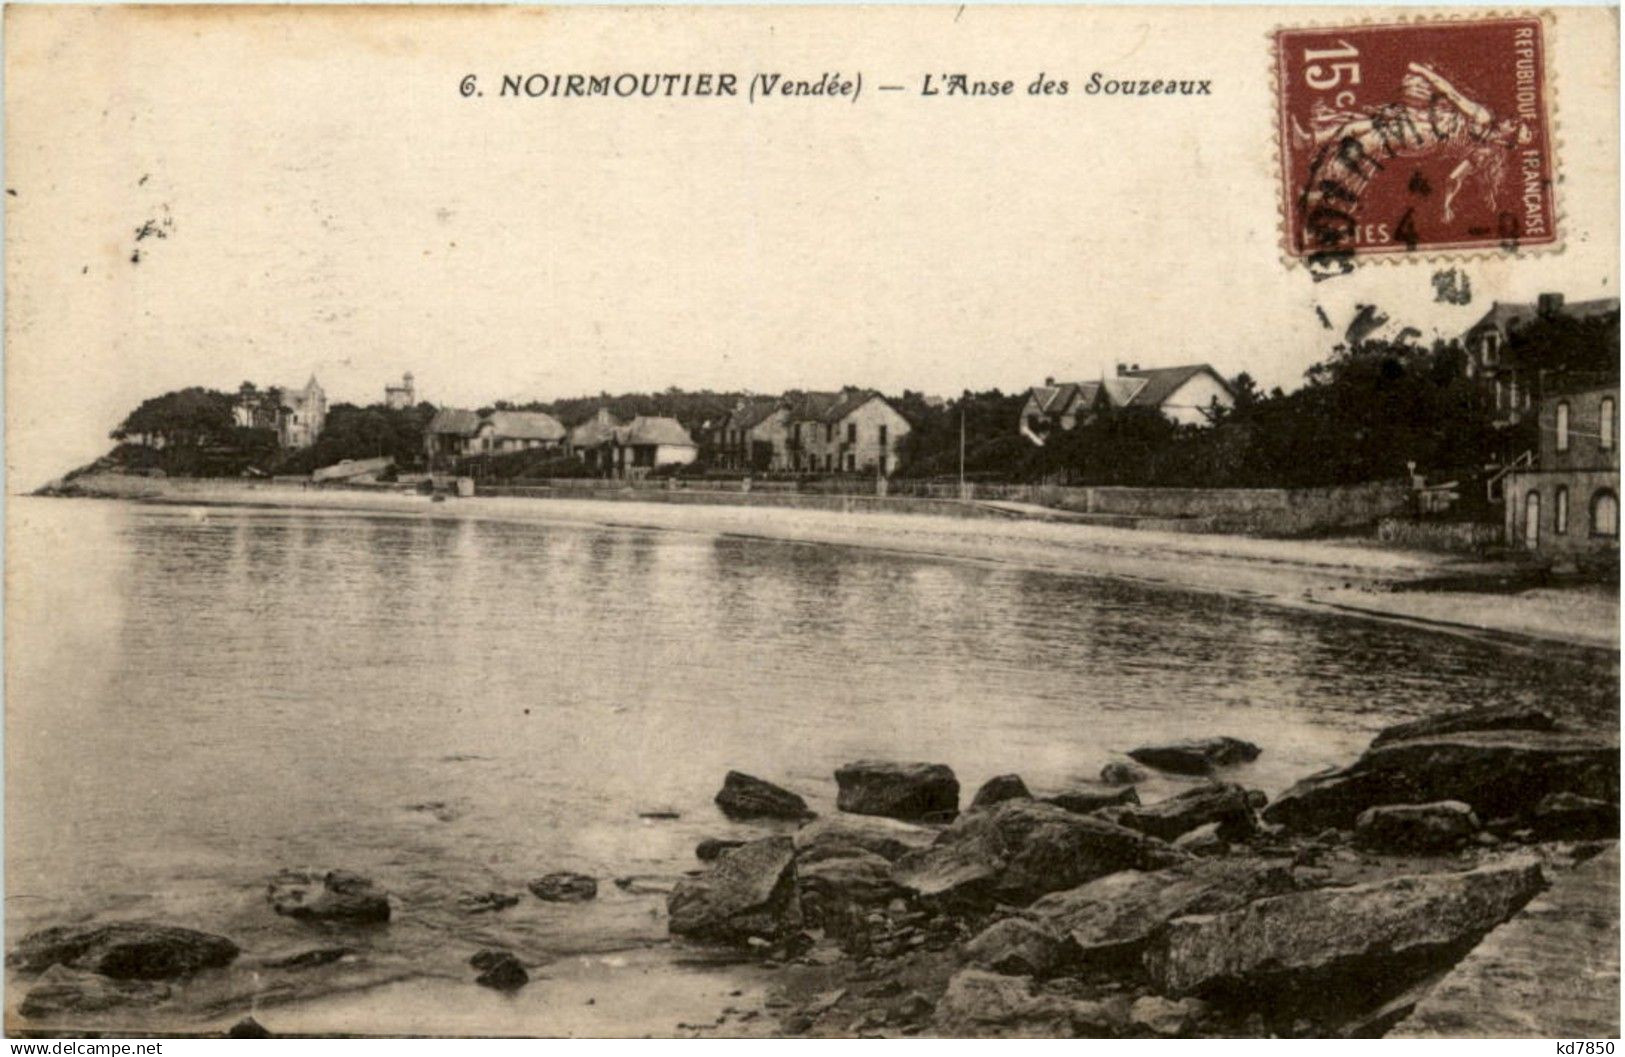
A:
[986,1005]
[751,891]
[1493,717]
[713,848]
[1363,941]
[1166,1017]
[1440,827]
[1565,816]
[1226,804]
[1196,755]
[1021,849]
[745,797]
[832,879]
[1112,918]
[336,895]
[127,950]
[886,837]
[1019,947]
[1086,797]
[61,991]
[998,789]
[1498,773]
[913,792]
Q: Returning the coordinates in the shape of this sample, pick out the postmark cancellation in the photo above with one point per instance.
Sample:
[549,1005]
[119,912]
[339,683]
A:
[1414,138]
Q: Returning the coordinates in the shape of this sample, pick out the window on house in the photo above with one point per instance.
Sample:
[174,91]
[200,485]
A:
[882,442]
[1562,425]
[851,432]
[1560,510]
[1500,394]
[1531,520]
[1492,346]
[851,461]
[829,432]
[1605,428]
[1604,513]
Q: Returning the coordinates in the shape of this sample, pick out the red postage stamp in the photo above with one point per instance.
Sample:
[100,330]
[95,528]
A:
[1414,137]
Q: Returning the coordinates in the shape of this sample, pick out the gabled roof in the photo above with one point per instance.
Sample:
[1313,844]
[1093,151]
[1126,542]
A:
[1059,399]
[1121,389]
[1504,316]
[653,429]
[811,407]
[752,413]
[1163,382]
[525,425]
[455,420]
[850,400]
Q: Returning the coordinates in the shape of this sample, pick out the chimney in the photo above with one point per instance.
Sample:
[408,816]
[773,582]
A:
[1550,305]
[1049,382]
[1122,369]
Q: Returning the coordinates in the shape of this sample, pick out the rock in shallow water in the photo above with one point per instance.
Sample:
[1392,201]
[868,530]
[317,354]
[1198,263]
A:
[1121,772]
[1085,797]
[126,950]
[1498,773]
[1228,805]
[1494,717]
[912,792]
[499,970]
[1565,816]
[248,1028]
[751,891]
[1322,945]
[1198,756]
[744,796]
[336,895]
[485,902]
[564,887]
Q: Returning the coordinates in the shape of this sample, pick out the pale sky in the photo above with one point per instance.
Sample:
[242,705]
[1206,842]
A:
[332,204]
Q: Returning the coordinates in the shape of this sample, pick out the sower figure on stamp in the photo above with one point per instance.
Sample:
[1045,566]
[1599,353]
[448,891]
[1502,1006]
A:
[1431,117]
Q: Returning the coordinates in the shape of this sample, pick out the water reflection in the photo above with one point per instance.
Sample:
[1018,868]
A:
[198,700]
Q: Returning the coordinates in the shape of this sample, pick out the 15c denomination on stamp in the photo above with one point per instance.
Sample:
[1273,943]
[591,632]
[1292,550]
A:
[1414,137]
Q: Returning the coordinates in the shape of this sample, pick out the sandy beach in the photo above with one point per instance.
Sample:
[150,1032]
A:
[1353,576]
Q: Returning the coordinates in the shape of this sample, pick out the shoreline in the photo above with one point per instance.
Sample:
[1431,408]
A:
[1341,577]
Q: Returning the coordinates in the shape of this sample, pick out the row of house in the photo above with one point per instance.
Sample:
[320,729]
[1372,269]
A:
[630,448]
[847,431]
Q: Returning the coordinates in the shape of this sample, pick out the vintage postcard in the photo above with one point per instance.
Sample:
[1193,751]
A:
[831,522]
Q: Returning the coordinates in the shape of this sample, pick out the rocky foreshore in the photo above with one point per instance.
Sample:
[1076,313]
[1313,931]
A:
[1083,912]
[1330,910]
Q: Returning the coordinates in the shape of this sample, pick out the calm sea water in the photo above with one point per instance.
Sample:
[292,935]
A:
[197,698]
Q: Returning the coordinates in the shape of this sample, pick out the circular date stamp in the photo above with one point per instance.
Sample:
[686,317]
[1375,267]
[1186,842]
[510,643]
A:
[1417,137]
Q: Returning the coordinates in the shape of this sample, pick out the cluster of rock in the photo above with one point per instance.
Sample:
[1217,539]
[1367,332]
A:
[1088,912]
[95,968]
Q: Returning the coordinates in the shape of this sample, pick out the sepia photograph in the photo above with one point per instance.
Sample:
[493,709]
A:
[811,522]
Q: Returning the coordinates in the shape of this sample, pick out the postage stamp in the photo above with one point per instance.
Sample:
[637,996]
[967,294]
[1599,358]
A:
[1414,137]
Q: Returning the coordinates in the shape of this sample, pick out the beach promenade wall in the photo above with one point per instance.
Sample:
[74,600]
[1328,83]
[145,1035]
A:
[1253,511]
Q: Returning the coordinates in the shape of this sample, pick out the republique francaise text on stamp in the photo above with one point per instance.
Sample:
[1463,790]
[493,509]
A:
[1414,137]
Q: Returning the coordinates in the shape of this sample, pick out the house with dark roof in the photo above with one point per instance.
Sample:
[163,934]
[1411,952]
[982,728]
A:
[851,431]
[1186,395]
[751,436]
[649,441]
[454,433]
[1515,387]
